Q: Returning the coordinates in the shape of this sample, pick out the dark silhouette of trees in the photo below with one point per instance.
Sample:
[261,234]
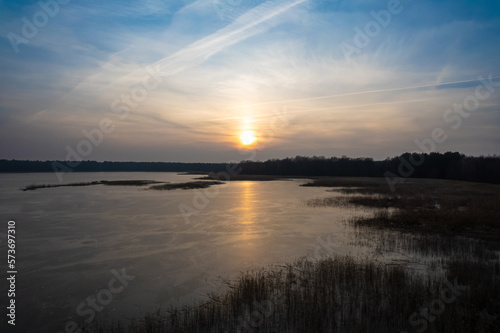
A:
[450,165]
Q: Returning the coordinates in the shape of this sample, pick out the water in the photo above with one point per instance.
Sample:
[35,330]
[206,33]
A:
[71,239]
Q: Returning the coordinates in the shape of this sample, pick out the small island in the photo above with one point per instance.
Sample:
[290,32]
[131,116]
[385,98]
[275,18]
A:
[159,186]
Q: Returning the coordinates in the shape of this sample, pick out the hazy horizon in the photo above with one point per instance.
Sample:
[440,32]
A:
[212,80]
[256,159]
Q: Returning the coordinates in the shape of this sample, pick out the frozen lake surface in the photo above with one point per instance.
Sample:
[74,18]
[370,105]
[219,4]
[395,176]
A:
[71,239]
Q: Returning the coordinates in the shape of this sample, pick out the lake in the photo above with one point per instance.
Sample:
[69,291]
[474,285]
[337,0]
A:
[120,251]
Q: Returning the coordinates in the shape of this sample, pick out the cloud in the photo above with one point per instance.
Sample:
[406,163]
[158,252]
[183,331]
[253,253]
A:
[257,60]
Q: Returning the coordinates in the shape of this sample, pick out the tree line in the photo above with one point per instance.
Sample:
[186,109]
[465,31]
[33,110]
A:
[449,165]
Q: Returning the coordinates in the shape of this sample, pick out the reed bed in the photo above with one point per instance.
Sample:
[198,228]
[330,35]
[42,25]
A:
[422,205]
[340,294]
[33,187]
[184,186]
[159,186]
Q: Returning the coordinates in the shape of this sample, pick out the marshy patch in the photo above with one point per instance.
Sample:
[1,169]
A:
[247,178]
[33,187]
[339,294]
[420,205]
[184,186]
[350,185]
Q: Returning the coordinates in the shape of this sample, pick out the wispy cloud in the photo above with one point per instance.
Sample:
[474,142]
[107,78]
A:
[262,57]
[426,85]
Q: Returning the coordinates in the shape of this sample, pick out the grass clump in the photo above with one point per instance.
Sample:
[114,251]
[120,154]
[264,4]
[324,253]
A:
[33,187]
[348,185]
[128,182]
[184,186]
[247,178]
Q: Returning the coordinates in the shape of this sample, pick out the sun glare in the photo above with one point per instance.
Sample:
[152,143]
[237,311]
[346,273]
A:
[248,137]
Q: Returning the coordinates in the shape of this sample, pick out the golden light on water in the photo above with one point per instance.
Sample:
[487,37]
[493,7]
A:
[248,137]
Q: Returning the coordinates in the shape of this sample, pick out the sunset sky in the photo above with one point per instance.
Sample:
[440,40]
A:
[183,80]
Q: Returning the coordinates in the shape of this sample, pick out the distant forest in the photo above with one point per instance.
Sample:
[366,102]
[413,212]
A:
[450,165]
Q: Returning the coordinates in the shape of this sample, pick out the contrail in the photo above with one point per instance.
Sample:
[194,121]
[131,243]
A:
[245,26]
[358,93]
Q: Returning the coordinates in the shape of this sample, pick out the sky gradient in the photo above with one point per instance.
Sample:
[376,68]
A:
[155,80]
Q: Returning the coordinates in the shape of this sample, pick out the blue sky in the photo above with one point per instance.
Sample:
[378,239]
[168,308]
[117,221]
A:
[281,69]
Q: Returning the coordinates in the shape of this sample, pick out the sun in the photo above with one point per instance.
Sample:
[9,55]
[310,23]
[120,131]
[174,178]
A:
[247,137]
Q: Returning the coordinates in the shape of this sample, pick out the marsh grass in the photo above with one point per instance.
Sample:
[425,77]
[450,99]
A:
[422,246]
[336,294]
[159,186]
[184,186]
[249,178]
[33,187]
[99,182]
[350,185]
[129,182]
[421,205]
